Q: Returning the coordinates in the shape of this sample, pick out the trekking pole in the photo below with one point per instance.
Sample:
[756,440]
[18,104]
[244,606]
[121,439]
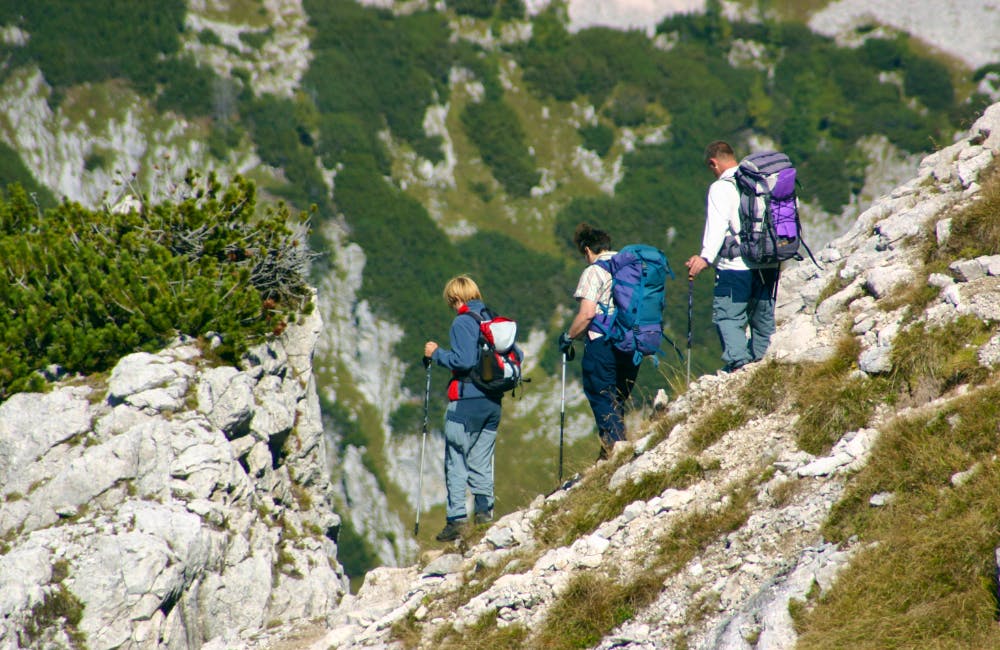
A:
[562,417]
[690,311]
[423,443]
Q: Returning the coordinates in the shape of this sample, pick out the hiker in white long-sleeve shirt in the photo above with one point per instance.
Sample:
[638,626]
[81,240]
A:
[744,294]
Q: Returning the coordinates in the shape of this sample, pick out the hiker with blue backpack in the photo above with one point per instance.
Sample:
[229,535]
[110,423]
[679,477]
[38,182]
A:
[751,226]
[619,317]
[483,367]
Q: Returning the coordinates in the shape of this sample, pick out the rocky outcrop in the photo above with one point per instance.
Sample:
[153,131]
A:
[735,592]
[172,503]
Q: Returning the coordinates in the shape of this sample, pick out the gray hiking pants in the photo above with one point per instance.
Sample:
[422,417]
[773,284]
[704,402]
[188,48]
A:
[470,433]
[744,298]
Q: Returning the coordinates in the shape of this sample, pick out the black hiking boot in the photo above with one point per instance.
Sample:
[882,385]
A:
[452,530]
[484,517]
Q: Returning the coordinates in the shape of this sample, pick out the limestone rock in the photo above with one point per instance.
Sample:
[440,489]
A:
[142,502]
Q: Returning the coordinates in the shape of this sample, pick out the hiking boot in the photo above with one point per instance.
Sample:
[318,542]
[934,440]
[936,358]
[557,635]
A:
[732,367]
[452,530]
[484,517]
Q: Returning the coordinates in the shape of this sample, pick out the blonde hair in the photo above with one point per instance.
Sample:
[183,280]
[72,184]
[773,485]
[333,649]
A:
[461,289]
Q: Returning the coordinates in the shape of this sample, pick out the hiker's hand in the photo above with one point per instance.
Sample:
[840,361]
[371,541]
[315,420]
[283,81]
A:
[566,346]
[429,348]
[695,265]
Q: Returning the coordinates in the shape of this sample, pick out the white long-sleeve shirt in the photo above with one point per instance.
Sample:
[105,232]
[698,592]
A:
[722,217]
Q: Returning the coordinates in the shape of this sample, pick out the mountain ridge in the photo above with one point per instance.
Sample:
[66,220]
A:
[276,94]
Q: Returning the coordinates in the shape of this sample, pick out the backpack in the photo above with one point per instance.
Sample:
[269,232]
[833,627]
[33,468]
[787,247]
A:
[770,230]
[638,278]
[498,368]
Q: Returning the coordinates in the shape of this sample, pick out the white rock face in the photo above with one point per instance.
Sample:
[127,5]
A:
[965,29]
[277,67]
[627,14]
[173,526]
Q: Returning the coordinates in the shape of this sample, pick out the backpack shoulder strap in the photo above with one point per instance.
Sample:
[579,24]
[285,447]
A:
[479,317]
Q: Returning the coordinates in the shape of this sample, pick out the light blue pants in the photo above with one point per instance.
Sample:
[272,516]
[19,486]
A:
[742,298]
[470,433]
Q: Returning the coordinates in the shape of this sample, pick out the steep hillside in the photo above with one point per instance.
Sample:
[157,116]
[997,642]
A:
[464,136]
[840,493]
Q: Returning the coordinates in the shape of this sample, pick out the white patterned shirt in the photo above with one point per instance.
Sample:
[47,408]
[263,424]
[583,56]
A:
[595,285]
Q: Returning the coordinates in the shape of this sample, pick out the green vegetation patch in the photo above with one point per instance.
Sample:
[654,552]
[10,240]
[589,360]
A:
[13,170]
[85,287]
[497,132]
[76,42]
[598,138]
[59,609]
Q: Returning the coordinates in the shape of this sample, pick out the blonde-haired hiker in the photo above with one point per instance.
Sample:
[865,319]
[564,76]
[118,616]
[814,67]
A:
[472,416]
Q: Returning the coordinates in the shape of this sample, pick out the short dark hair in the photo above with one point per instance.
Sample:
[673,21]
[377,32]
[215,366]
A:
[719,149]
[586,236]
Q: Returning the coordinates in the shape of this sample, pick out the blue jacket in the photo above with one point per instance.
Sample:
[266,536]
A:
[464,353]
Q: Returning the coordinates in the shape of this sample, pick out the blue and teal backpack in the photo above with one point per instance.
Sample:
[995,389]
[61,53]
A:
[639,274]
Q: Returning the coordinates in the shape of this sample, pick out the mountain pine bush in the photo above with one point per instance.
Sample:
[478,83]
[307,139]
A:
[84,287]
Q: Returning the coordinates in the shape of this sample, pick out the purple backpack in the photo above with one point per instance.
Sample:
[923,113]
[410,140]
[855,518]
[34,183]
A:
[770,230]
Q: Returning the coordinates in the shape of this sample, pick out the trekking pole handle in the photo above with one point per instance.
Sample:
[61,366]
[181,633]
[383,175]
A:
[427,362]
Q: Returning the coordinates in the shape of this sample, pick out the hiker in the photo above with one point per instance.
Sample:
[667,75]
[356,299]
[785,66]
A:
[744,292]
[472,416]
[608,373]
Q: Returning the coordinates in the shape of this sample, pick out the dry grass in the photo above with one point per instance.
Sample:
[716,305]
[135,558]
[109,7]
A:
[765,389]
[692,533]
[484,634]
[835,285]
[590,504]
[592,605]
[831,400]
[975,229]
[941,357]
[711,428]
[595,603]
[929,582]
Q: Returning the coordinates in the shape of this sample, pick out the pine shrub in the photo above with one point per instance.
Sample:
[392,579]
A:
[84,287]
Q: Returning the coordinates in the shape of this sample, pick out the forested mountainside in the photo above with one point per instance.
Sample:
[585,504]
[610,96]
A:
[426,140]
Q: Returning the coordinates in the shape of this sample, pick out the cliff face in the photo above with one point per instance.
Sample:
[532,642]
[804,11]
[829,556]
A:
[170,503]
[767,496]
